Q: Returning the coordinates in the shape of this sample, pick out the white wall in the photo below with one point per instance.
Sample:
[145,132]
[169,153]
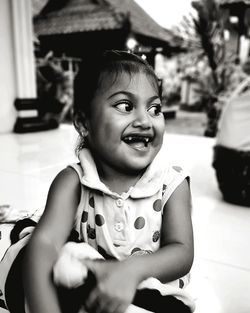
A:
[17,63]
[7,69]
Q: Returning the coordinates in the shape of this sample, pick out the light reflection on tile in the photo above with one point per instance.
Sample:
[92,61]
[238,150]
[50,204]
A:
[38,150]
[222,227]
[22,192]
[219,288]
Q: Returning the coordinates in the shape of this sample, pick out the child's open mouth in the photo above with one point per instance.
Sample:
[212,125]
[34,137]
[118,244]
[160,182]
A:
[137,141]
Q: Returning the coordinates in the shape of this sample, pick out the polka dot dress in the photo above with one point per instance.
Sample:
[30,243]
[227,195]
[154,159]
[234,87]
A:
[124,225]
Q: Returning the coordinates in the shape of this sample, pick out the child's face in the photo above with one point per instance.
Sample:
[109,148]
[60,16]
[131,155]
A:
[125,127]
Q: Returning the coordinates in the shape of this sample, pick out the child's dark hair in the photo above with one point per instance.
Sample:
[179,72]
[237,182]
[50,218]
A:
[92,73]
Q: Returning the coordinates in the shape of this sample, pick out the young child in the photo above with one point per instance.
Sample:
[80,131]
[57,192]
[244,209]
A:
[123,199]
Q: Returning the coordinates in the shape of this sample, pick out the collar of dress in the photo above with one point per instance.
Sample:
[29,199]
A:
[149,184]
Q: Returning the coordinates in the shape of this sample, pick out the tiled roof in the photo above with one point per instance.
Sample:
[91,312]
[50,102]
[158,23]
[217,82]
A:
[226,2]
[141,22]
[77,16]
[94,15]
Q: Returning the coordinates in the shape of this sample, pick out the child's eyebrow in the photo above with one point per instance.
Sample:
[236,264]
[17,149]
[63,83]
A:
[132,95]
[127,93]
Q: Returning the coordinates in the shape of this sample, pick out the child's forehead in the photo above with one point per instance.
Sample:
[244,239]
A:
[125,79]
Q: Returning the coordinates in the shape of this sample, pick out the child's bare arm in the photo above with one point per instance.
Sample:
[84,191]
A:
[49,236]
[117,281]
[175,257]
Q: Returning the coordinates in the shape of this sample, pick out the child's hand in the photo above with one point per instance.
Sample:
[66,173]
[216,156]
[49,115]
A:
[115,289]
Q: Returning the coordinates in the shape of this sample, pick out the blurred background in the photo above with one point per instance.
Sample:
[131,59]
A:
[200,52]
[199,49]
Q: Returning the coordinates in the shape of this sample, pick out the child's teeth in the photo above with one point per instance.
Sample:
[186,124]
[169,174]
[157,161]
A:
[131,139]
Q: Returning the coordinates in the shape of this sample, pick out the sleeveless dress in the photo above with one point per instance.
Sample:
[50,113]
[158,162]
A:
[117,226]
[124,225]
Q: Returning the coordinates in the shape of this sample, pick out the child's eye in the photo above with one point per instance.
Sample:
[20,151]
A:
[155,110]
[124,106]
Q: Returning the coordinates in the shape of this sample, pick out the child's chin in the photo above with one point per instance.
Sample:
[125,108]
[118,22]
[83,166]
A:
[136,167]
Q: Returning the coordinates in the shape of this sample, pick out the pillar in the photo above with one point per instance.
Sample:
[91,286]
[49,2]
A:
[17,62]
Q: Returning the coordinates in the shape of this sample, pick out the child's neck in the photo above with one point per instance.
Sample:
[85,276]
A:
[119,182]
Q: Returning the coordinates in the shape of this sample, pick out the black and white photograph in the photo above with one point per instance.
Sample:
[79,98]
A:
[125,156]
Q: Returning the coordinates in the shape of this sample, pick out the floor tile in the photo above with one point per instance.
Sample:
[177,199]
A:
[22,192]
[28,153]
[222,232]
[219,288]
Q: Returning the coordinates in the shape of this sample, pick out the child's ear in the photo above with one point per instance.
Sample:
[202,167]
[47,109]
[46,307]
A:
[80,123]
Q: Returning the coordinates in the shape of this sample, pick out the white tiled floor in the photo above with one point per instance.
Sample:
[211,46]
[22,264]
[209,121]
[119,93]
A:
[221,271]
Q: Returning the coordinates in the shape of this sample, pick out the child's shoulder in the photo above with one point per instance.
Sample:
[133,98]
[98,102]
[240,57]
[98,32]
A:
[176,172]
[66,177]
[75,169]
[68,172]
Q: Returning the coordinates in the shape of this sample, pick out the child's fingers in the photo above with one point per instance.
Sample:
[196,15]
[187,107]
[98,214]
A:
[121,308]
[92,301]
[91,264]
[99,303]
[105,305]
[114,307]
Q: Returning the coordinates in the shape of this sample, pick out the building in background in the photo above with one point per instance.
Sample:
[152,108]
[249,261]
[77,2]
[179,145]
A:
[81,28]
[237,24]
[71,29]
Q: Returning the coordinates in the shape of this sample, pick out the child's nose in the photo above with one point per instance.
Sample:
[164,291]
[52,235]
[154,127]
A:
[142,119]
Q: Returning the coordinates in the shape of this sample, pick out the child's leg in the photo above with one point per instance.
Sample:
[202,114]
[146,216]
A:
[14,292]
[72,300]
[152,300]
